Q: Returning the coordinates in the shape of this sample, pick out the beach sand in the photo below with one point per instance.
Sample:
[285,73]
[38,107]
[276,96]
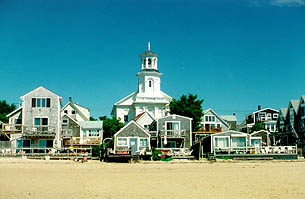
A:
[21,178]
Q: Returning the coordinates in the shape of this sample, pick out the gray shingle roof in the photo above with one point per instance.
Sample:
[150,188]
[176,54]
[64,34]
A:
[230,118]
[295,104]
[284,111]
[91,124]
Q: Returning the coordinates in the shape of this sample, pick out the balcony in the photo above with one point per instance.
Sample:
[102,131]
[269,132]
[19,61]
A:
[39,131]
[11,128]
[173,133]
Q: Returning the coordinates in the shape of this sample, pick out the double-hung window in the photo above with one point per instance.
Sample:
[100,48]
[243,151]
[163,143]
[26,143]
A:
[122,141]
[143,142]
[41,102]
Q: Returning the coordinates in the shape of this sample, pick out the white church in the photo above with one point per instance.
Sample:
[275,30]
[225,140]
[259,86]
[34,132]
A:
[149,97]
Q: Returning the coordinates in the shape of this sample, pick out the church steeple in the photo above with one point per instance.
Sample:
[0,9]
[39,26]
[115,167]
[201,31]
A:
[149,60]
[149,76]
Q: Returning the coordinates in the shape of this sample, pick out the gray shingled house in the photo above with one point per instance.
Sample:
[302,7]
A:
[132,137]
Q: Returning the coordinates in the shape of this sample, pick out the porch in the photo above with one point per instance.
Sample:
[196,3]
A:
[11,128]
[39,131]
[259,152]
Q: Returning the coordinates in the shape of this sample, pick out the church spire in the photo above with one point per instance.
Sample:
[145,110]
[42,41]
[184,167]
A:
[148,47]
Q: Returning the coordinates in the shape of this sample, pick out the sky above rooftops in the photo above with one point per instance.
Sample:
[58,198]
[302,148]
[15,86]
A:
[234,54]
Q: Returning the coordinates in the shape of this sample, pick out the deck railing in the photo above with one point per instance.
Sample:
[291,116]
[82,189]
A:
[86,140]
[38,151]
[256,150]
[42,130]
[11,128]
[173,133]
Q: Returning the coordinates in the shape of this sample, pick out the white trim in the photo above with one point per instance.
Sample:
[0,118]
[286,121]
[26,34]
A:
[22,97]
[265,109]
[172,122]
[131,121]
[174,115]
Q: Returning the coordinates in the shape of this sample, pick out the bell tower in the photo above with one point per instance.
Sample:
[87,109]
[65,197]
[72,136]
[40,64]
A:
[149,82]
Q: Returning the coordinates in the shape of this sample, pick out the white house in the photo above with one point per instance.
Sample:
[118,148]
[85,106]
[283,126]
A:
[149,97]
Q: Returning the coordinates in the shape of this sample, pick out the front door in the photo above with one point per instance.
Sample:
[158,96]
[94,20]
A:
[133,145]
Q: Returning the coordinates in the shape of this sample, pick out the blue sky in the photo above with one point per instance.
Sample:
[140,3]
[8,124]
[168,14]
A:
[234,54]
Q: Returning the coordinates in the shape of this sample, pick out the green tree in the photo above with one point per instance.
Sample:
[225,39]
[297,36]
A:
[188,106]
[110,126]
[257,126]
[93,119]
[5,109]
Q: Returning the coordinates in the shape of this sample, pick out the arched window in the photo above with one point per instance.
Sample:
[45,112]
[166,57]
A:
[149,62]
[149,83]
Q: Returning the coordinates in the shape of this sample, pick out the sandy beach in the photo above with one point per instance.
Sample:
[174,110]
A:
[66,179]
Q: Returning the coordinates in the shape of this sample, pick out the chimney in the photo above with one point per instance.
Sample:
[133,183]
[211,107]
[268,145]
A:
[70,99]
[259,107]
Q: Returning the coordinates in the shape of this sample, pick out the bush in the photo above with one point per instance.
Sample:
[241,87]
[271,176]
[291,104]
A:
[155,154]
[96,150]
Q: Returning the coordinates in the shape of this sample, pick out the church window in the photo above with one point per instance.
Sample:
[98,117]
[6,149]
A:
[149,83]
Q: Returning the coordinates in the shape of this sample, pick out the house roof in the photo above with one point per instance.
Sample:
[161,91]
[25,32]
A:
[230,132]
[40,87]
[260,131]
[230,118]
[129,123]
[91,124]
[262,110]
[71,118]
[138,116]
[141,115]
[149,53]
[284,111]
[14,112]
[214,113]
[74,106]
[175,115]
[295,104]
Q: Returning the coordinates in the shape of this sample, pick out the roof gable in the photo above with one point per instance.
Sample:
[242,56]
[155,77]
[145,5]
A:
[216,115]
[128,100]
[294,104]
[66,115]
[262,110]
[142,115]
[40,88]
[132,128]
[75,107]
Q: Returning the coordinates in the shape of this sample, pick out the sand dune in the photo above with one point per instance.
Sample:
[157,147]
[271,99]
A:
[66,179]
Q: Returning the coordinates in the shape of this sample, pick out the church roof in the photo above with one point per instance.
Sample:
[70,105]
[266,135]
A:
[149,53]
